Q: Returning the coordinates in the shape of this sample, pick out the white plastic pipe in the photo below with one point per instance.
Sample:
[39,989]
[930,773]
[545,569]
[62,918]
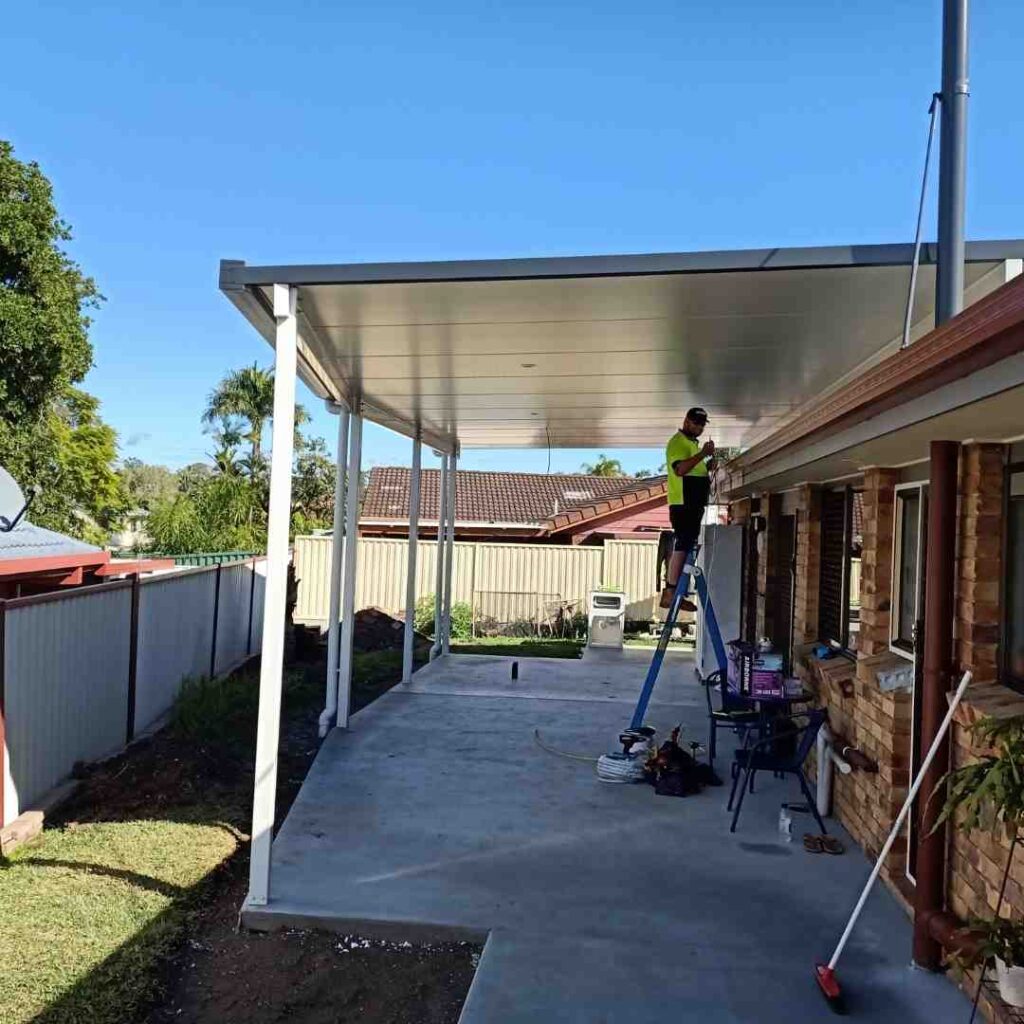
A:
[828,760]
[901,817]
[355,457]
[442,509]
[449,555]
[410,575]
[275,597]
[823,794]
[337,560]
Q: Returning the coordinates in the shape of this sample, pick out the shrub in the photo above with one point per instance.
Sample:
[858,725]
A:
[462,618]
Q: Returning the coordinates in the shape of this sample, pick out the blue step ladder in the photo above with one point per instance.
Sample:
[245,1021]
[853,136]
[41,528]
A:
[690,569]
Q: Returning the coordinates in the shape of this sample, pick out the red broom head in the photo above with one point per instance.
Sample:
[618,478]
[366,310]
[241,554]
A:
[826,978]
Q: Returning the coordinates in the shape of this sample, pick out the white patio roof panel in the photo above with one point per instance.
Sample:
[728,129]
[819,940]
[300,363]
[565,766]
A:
[597,351]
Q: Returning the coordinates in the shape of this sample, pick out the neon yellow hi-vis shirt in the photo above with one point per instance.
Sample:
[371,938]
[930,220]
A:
[681,447]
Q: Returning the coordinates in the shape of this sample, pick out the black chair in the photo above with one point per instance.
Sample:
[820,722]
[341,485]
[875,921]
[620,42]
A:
[736,713]
[766,755]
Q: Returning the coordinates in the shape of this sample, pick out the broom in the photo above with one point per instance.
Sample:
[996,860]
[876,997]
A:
[825,974]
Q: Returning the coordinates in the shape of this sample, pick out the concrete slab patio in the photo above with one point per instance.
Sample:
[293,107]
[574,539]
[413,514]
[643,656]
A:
[438,814]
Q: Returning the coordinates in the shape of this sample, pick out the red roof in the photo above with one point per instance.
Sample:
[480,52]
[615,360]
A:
[525,499]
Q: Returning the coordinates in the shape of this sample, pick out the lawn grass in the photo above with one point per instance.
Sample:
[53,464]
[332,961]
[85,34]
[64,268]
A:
[86,892]
[92,908]
[519,647]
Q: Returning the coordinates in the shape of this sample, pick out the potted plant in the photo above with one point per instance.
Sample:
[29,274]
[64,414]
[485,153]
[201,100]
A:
[1002,941]
[988,794]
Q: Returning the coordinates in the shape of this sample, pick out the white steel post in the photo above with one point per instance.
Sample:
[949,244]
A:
[442,509]
[410,579]
[337,559]
[449,555]
[272,664]
[355,457]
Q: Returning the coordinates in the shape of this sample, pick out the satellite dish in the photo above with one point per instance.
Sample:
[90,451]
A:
[12,502]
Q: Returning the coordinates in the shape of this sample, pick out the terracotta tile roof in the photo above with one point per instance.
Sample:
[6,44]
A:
[526,499]
[634,492]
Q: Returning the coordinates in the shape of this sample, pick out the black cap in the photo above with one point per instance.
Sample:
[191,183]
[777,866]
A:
[697,414]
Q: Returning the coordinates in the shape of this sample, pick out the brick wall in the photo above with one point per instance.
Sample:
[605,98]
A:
[879,503]
[977,861]
[875,722]
[979,622]
[808,564]
[880,723]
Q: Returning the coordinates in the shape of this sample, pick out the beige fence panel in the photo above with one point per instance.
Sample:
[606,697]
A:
[631,565]
[517,572]
[312,559]
[380,580]
[566,571]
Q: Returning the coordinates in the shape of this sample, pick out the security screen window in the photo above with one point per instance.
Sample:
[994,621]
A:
[839,579]
[1013,631]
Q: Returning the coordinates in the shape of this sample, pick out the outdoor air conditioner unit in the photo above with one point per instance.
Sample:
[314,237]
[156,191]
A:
[606,619]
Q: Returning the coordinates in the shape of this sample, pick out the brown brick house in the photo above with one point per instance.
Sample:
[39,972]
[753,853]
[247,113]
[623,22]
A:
[520,507]
[903,486]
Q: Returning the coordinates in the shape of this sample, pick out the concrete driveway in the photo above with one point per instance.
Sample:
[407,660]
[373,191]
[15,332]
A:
[438,814]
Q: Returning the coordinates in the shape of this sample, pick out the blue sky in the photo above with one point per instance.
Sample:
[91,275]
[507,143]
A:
[177,134]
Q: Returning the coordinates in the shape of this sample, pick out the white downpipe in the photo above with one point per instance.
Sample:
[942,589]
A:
[355,460]
[337,560]
[442,511]
[410,575]
[449,555]
[901,817]
[275,598]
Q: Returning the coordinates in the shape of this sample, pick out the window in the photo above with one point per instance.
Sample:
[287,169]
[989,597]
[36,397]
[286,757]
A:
[839,579]
[908,568]
[1013,627]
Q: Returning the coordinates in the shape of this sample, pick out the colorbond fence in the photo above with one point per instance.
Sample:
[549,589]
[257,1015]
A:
[479,572]
[82,672]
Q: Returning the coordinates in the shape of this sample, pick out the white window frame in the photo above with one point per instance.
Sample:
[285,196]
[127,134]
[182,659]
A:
[921,486]
[897,577]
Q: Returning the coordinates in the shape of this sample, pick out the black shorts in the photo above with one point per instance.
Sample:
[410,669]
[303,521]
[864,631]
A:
[686,518]
[685,521]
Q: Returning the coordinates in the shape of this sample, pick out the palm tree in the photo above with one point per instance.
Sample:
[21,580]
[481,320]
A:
[603,467]
[248,393]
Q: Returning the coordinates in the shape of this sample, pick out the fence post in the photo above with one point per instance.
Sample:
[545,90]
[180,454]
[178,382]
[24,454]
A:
[3,696]
[133,659]
[216,613]
[252,598]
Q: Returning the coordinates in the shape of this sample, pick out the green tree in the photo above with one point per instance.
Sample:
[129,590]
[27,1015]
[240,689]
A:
[219,512]
[248,394]
[52,439]
[67,457]
[603,467]
[312,486]
[145,484]
[44,343]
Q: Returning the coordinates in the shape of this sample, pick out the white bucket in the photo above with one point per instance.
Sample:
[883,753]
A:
[1011,983]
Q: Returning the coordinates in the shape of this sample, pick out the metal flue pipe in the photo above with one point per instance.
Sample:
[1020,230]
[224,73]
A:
[949,287]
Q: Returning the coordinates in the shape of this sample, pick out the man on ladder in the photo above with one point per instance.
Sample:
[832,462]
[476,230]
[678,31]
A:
[689,465]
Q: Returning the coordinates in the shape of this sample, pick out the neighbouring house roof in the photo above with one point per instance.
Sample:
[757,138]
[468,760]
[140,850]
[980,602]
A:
[27,540]
[483,497]
[33,552]
[635,492]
